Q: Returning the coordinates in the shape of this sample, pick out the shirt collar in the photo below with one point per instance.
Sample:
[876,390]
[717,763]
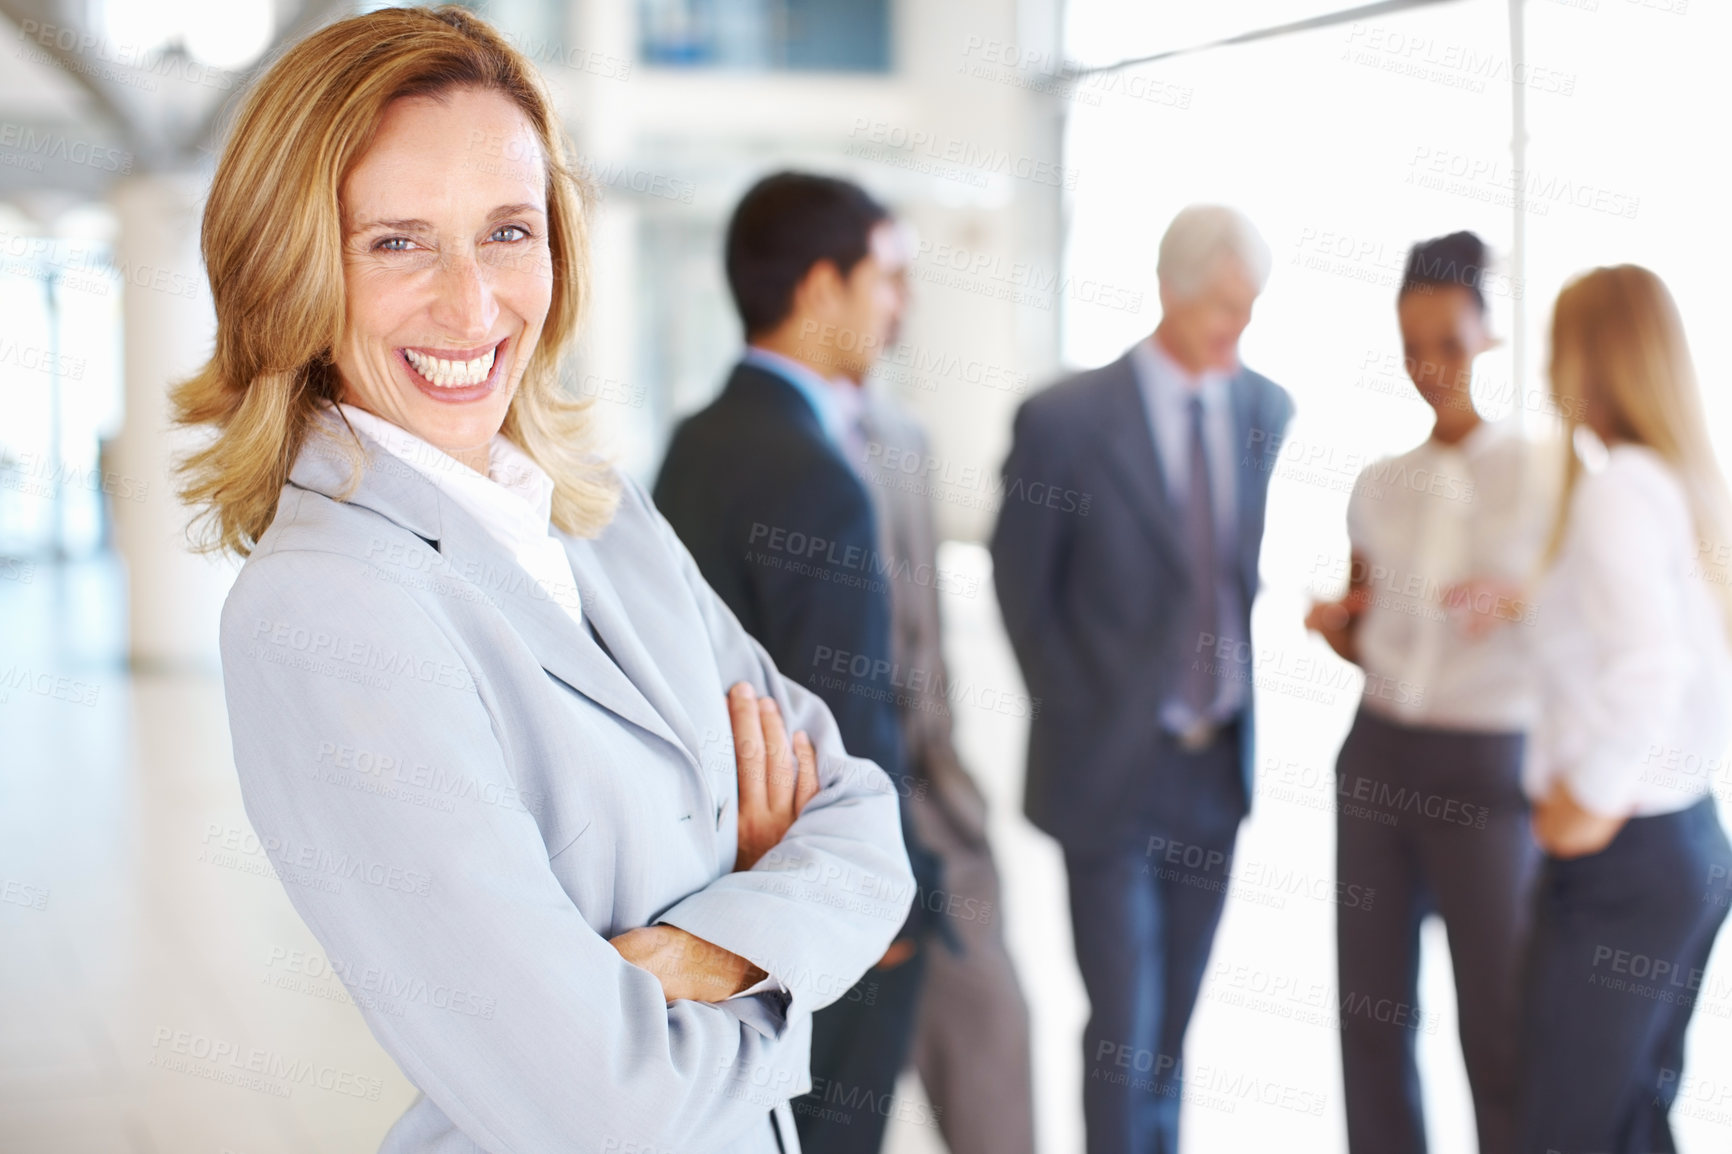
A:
[1165,379]
[837,403]
[514,502]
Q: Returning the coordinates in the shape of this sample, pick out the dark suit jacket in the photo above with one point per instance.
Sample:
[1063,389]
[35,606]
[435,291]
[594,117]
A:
[1091,577]
[783,529]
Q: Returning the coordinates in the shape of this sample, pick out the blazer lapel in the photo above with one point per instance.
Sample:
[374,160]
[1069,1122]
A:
[607,612]
[400,493]
[562,646]
[1133,459]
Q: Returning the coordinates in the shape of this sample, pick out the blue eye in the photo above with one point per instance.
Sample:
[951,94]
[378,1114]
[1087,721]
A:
[393,244]
[498,233]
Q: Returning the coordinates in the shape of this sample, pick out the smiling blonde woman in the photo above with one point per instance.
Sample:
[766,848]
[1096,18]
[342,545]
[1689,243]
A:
[519,769]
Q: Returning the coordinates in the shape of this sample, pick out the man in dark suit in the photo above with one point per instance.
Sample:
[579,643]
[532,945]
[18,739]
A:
[759,487]
[1125,559]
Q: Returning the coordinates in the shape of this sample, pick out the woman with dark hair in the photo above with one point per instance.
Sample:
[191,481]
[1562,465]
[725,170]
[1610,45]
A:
[1635,670]
[1430,811]
[517,765]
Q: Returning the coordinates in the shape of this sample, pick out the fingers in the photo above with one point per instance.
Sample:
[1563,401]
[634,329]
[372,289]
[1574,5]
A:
[1327,616]
[807,786]
[748,746]
[779,761]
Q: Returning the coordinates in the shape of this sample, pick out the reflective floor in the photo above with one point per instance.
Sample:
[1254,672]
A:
[158,995]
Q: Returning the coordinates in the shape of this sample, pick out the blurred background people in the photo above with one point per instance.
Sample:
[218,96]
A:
[1636,677]
[760,488]
[971,1034]
[1430,813]
[1125,559]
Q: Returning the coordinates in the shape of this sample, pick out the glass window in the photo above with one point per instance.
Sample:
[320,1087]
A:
[767,35]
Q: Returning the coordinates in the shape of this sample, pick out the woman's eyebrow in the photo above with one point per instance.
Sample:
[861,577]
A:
[425,226]
[393,225]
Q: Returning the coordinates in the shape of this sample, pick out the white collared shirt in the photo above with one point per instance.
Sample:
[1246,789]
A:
[513,503]
[1428,519]
[1635,666]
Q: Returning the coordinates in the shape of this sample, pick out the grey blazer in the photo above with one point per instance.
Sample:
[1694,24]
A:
[465,795]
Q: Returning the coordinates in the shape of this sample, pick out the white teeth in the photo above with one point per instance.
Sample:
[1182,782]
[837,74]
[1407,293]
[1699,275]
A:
[452,374]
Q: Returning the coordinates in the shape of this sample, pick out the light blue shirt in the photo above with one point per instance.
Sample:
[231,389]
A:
[819,393]
[1167,390]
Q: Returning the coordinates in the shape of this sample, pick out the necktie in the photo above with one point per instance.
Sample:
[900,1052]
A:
[1201,681]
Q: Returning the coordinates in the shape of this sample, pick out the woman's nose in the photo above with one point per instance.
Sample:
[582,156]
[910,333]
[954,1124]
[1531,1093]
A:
[464,303]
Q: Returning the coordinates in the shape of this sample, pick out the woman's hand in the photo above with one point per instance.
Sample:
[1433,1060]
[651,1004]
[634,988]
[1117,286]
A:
[1334,621]
[1481,604]
[686,965]
[1565,830]
[775,784]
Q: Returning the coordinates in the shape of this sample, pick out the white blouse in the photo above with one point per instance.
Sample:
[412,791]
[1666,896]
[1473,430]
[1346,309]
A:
[513,503]
[1635,666]
[1428,519]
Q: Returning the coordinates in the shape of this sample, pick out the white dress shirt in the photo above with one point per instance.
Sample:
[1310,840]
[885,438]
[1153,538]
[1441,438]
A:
[514,502]
[1427,519]
[1167,390]
[1635,666]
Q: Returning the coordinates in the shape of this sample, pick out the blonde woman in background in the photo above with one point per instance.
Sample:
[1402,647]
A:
[1636,675]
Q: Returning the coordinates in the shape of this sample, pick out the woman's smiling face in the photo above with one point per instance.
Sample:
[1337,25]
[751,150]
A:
[446,267]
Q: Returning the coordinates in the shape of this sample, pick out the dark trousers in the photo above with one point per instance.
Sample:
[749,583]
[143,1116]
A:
[1620,941]
[860,1043]
[1429,821]
[1144,904]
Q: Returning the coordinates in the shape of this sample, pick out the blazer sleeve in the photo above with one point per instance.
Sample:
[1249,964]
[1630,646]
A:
[932,754]
[501,1004]
[822,906]
[1030,547]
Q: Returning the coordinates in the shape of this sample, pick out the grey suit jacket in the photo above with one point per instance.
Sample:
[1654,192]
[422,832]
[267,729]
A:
[465,795]
[908,541]
[1091,576]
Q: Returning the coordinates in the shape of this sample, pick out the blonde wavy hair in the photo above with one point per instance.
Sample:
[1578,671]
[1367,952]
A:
[272,243]
[1621,366]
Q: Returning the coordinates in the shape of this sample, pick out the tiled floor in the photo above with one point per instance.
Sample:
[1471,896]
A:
[159,996]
